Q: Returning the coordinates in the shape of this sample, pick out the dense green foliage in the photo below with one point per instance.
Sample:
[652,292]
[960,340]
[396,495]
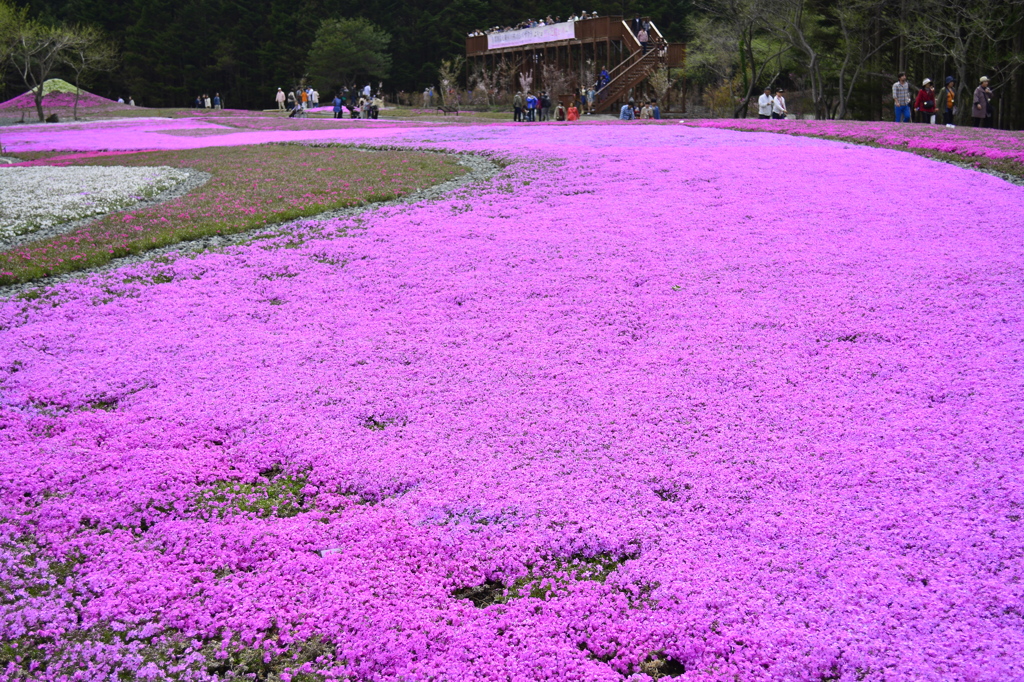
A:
[840,56]
[173,50]
[347,50]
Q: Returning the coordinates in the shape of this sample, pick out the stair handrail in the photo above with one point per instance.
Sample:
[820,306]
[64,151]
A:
[628,60]
[653,55]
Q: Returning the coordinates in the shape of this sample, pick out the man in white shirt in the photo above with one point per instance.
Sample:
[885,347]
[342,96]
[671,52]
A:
[779,105]
[764,104]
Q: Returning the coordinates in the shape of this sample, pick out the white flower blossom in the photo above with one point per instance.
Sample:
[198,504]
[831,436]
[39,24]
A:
[37,197]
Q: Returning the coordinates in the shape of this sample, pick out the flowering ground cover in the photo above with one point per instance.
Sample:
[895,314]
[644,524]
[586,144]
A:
[43,196]
[181,133]
[641,406]
[250,187]
[999,150]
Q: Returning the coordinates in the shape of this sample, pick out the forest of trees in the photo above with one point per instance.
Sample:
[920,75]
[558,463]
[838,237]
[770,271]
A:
[841,56]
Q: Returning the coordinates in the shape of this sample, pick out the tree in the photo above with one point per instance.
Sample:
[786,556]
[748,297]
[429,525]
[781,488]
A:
[448,74]
[739,27]
[37,51]
[855,20]
[961,31]
[88,53]
[346,50]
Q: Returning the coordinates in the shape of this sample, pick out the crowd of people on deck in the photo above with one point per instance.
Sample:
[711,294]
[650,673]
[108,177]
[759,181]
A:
[359,103]
[533,23]
[928,103]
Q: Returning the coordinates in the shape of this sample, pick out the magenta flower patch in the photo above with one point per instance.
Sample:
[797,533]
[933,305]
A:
[655,400]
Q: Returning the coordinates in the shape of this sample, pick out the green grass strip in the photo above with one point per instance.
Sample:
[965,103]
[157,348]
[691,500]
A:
[250,187]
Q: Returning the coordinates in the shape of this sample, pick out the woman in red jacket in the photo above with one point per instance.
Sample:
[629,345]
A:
[925,102]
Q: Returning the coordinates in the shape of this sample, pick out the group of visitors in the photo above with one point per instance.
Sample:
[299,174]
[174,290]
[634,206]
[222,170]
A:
[635,111]
[527,107]
[533,23]
[771,104]
[297,100]
[206,102]
[928,103]
[360,103]
[368,105]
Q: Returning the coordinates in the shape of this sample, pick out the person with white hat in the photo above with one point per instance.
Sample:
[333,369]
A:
[925,102]
[982,109]
[279,98]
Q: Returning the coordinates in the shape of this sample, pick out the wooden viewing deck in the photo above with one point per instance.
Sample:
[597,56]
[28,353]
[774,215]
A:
[594,43]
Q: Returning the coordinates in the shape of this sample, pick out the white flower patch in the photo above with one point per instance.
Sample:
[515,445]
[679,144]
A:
[37,197]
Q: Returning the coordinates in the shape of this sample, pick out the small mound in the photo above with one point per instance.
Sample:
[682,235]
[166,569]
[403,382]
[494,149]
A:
[59,98]
[58,85]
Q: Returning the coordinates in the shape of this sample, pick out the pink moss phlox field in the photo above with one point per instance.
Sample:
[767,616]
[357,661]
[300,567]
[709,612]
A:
[191,133]
[773,386]
[963,141]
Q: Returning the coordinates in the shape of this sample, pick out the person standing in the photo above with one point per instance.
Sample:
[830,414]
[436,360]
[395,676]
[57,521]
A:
[779,105]
[655,111]
[531,107]
[764,103]
[925,102]
[517,108]
[901,99]
[643,38]
[982,109]
[216,100]
[366,91]
[948,101]
[279,98]
[291,100]
[338,111]
[545,106]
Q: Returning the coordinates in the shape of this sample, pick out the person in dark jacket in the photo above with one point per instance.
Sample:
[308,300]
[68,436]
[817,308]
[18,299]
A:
[982,106]
[947,101]
[924,104]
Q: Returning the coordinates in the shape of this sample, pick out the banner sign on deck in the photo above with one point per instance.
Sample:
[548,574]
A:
[566,30]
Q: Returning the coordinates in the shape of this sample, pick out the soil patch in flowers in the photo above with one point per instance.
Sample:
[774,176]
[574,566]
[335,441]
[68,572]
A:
[249,187]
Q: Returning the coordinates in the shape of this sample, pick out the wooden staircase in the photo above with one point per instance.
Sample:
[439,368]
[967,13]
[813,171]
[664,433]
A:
[633,70]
